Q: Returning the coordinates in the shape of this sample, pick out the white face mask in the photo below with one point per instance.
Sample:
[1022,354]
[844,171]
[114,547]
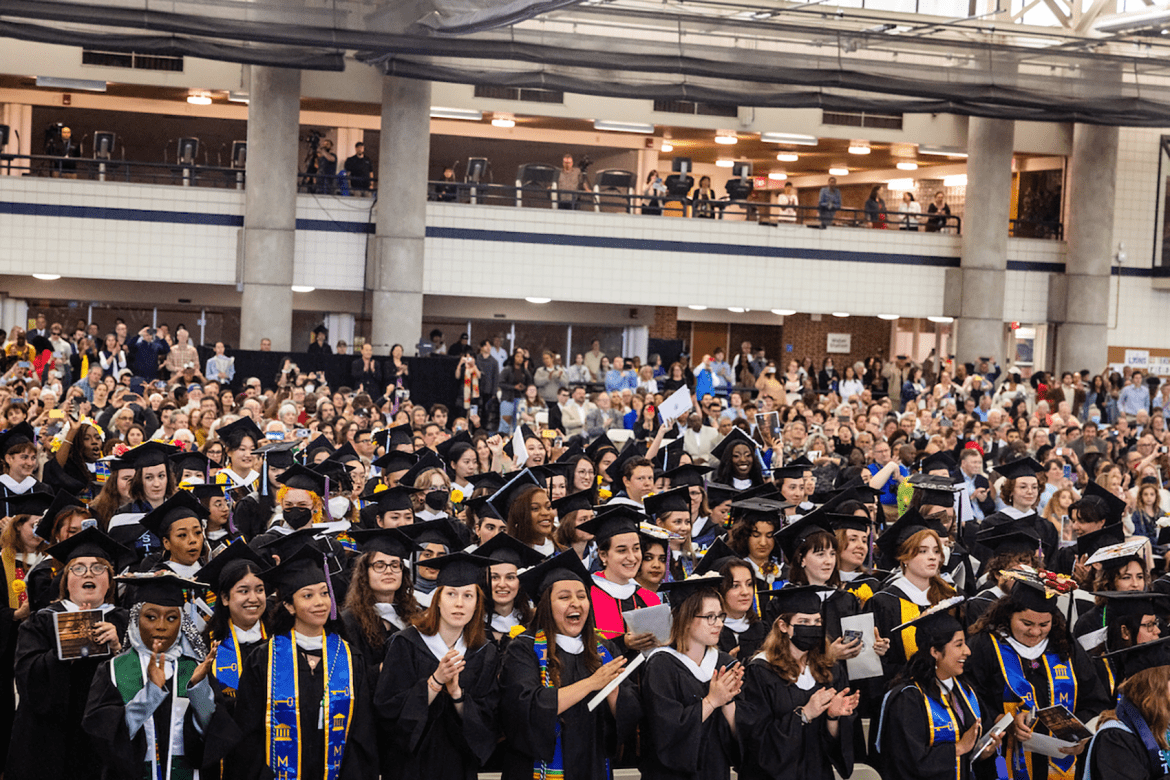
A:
[338,506]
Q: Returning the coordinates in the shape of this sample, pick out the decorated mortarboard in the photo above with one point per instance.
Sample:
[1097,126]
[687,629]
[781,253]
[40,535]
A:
[1033,591]
[1138,658]
[791,600]
[345,454]
[164,590]
[1088,544]
[720,494]
[502,548]
[614,470]
[396,436]
[180,506]
[519,480]
[688,474]
[1022,467]
[1114,505]
[1119,554]
[21,433]
[715,556]
[395,499]
[299,477]
[460,569]
[650,534]
[573,502]
[910,523]
[482,507]
[149,453]
[681,590]
[599,445]
[791,536]
[940,460]
[433,532]
[736,435]
[396,460]
[427,459]
[302,569]
[390,541]
[237,553]
[674,500]
[191,461]
[234,433]
[1012,540]
[936,623]
[563,567]
[91,543]
[614,520]
[50,505]
[934,490]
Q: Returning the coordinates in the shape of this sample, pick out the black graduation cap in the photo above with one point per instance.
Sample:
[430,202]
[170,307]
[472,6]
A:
[396,460]
[910,523]
[615,519]
[303,568]
[788,472]
[681,590]
[1023,467]
[687,475]
[299,477]
[762,490]
[674,500]
[345,454]
[789,600]
[191,461]
[277,454]
[573,502]
[395,499]
[573,450]
[320,442]
[802,461]
[427,459]
[481,507]
[549,470]
[459,569]
[149,453]
[502,548]
[340,479]
[205,492]
[239,553]
[755,509]
[841,522]
[1138,658]
[852,491]
[935,490]
[1136,603]
[736,435]
[234,433]
[518,480]
[444,449]
[720,494]
[565,566]
[599,445]
[1030,592]
[165,590]
[1115,505]
[936,623]
[614,471]
[939,460]
[492,480]
[90,542]
[21,433]
[433,532]
[715,556]
[284,545]
[51,505]
[1091,542]
[791,536]
[178,507]
[670,453]
[391,541]
[398,435]
[1016,539]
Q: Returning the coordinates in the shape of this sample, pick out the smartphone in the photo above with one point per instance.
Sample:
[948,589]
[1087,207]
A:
[24,364]
[274,436]
[1067,471]
[548,433]
[473,409]
[303,433]
[56,414]
[849,637]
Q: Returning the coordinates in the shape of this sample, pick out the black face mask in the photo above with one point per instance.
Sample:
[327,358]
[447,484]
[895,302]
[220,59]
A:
[298,516]
[805,638]
[437,499]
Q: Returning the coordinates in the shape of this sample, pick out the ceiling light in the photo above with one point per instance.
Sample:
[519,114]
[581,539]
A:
[724,163]
[788,157]
[667,146]
[942,320]
[238,97]
[944,151]
[539,300]
[47,277]
[623,127]
[907,166]
[841,314]
[839,171]
[74,85]
[726,137]
[736,309]
[199,99]
[777,176]
[900,185]
[438,112]
[302,288]
[1133,21]
[696,307]
[784,312]
[503,120]
[794,139]
[890,317]
[958,180]
[859,147]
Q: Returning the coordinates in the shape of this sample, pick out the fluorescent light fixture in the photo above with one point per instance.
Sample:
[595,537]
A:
[642,128]
[199,99]
[943,151]
[859,147]
[784,312]
[777,176]
[47,277]
[470,115]
[538,300]
[900,185]
[736,309]
[890,317]
[839,171]
[1132,22]
[696,307]
[841,314]
[77,85]
[1024,334]
[667,146]
[958,180]
[724,163]
[792,139]
[942,320]
[907,166]
[503,120]
[787,157]
[726,137]
[238,97]
[302,288]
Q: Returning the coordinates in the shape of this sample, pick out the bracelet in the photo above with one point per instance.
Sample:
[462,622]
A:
[434,685]
[830,717]
[801,714]
[65,441]
[460,699]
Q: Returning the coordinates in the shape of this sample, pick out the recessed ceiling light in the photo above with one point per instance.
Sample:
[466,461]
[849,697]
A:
[793,139]
[784,312]
[777,176]
[841,314]
[907,166]
[539,300]
[724,163]
[199,99]
[696,307]
[470,115]
[887,317]
[607,125]
[503,120]
[47,277]
[942,320]
[736,309]
[839,171]
[667,146]
[859,148]
[302,288]
[788,157]
[726,137]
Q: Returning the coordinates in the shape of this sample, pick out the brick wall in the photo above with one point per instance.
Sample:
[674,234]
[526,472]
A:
[665,323]
[871,338]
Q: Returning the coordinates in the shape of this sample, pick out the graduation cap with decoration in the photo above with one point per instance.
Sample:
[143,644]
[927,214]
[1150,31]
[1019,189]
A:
[734,437]
[164,590]
[1036,592]
[1118,555]
[937,624]
[565,566]
[573,502]
[389,541]
[235,433]
[934,490]
[89,543]
[47,503]
[614,520]
[697,584]
[793,535]
[180,506]
[1088,544]
[674,500]
[502,548]
[910,523]
[231,562]
[21,433]
[716,555]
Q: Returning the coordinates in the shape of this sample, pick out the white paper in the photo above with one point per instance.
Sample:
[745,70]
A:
[655,620]
[867,664]
[1047,746]
[678,403]
[1000,726]
[607,690]
[519,448]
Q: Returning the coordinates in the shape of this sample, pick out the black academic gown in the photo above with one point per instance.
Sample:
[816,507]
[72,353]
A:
[742,646]
[250,762]
[7,493]
[371,658]
[528,715]
[907,752]
[433,740]
[47,738]
[676,742]
[220,752]
[1117,754]
[977,605]
[1049,539]
[775,743]
[891,607]
[43,584]
[253,513]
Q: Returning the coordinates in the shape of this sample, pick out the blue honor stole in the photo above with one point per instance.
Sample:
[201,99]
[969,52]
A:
[1062,685]
[282,724]
[943,724]
[228,663]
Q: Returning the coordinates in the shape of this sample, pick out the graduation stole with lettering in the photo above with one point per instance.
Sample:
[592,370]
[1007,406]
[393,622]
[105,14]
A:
[282,722]
[1062,685]
[944,726]
[160,761]
[228,662]
[555,769]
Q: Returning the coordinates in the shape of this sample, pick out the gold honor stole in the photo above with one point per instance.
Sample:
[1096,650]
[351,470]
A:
[282,722]
[910,610]
[944,726]
[1062,685]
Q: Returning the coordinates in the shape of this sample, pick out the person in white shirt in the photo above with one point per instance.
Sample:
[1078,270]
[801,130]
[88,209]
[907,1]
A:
[578,374]
[787,201]
[498,351]
[909,209]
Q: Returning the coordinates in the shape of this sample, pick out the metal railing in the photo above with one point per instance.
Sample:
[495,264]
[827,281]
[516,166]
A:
[1029,228]
[178,173]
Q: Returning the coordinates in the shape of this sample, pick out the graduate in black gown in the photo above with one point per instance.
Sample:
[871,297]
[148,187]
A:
[509,609]
[689,689]
[743,631]
[61,516]
[18,465]
[238,623]
[1135,619]
[1003,551]
[47,738]
[549,673]
[795,715]
[437,691]
[1131,739]
[133,711]
[281,707]
[1020,491]
[932,717]
[934,498]
[252,514]
[854,530]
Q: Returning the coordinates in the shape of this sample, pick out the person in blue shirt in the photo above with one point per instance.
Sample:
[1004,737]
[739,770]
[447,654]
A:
[618,379]
[887,475]
[148,353]
[1134,397]
[829,202]
[721,374]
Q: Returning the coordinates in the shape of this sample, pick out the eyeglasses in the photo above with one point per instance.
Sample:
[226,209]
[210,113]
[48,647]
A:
[1151,625]
[96,569]
[381,567]
[713,618]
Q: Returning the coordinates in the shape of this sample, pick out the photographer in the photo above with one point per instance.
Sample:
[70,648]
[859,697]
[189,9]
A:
[326,167]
